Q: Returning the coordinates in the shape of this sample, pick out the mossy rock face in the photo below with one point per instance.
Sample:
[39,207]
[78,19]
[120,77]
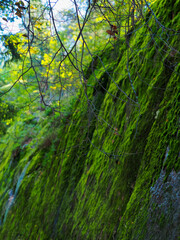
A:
[110,170]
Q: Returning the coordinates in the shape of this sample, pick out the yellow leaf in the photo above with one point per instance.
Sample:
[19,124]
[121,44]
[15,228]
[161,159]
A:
[98,19]
[32,7]
[72,28]
[63,75]
[8,121]
[54,88]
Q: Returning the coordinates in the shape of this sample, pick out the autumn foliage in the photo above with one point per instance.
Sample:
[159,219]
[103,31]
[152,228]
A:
[113,31]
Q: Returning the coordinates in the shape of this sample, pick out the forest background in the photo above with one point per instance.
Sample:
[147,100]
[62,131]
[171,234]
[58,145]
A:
[43,63]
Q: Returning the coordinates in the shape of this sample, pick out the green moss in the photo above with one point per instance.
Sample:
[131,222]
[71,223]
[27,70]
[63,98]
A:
[98,176]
